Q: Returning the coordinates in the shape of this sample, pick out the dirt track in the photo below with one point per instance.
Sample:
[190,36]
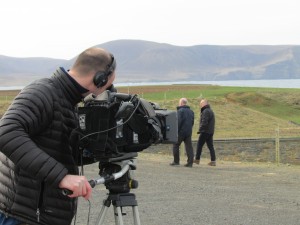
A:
[228,194]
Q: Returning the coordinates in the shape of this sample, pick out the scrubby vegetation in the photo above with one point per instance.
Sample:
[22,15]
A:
[240,111]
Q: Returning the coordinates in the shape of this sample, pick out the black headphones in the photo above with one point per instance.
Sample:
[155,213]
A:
[101,77]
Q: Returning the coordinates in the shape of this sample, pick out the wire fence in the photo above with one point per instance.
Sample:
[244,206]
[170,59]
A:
[280,146]
[264,132]
[277,145]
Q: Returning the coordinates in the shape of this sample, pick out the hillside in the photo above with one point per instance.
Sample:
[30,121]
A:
[21,71]
[140,61]
[240,112]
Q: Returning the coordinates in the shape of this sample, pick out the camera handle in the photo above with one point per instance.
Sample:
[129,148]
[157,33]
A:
[118,200]
[125,166]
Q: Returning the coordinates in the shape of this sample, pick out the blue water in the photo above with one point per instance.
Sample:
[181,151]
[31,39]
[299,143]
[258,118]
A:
[11,88]
[283,83]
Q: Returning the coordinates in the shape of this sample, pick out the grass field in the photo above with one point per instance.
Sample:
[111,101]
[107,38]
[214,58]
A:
[241,112]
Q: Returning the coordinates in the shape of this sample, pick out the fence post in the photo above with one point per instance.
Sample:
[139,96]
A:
[277,146]
[165,98]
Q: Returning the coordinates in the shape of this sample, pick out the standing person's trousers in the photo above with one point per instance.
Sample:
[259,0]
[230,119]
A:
[208,139]
[188,148]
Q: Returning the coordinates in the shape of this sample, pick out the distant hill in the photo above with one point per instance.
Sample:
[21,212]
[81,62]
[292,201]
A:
[139,61]
[21,71]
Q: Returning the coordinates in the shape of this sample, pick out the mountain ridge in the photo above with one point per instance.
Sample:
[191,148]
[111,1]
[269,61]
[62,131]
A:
[146,61]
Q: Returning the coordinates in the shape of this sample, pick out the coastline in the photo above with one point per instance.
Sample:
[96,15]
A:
[278,83]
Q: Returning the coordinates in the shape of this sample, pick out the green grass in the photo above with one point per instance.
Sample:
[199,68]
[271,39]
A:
[240,111]
[283,104]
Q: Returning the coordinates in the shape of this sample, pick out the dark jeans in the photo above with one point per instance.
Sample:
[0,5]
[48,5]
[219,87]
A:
[208,139]
[8,220]
[188,149]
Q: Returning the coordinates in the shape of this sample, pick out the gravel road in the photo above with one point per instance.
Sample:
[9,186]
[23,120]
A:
[231,193]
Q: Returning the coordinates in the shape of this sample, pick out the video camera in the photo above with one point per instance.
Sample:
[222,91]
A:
[115,126]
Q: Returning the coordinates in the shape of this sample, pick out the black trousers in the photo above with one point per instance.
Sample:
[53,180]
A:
[208,139]
[188,149]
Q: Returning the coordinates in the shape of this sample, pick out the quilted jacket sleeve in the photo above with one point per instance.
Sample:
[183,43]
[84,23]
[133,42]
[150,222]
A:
[29,114]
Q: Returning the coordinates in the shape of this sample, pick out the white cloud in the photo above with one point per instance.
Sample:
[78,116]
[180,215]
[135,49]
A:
[62,29]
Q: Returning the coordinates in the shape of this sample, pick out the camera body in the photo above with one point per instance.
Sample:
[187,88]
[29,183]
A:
[114,125]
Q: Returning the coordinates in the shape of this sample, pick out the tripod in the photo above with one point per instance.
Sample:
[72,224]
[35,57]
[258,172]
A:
[116,177]
[119,201]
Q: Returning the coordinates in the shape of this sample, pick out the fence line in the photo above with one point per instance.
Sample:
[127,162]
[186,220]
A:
[274,150]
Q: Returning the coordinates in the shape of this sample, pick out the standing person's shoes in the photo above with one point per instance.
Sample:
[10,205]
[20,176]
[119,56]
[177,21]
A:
[197,161]
[174,164]
[212,163]
[188,165]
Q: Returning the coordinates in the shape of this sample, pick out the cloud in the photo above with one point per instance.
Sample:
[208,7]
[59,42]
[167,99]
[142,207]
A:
[62,29]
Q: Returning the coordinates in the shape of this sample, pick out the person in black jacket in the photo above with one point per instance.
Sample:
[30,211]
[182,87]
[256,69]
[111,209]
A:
[206,131]
[38,157]
[185,126]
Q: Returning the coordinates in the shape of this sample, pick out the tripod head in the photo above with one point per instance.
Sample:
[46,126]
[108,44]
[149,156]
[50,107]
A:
[115,175]
[118,175]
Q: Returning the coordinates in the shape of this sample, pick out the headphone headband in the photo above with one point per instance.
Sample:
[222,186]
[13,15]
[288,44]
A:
[101,78]
[112,66]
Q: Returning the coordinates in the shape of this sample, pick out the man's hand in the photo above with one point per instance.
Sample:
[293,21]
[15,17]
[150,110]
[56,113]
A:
[79,185]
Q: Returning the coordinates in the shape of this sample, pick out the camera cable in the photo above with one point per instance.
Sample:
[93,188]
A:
[81,173]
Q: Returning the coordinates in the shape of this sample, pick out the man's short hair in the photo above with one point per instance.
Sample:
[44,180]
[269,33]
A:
[92,60]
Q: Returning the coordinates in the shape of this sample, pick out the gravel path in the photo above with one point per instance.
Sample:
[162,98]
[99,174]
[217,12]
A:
[228,194]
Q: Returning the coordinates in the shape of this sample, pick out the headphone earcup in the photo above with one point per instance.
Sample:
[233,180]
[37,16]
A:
[100,79]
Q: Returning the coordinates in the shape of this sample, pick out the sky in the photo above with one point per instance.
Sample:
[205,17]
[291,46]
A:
[62,29]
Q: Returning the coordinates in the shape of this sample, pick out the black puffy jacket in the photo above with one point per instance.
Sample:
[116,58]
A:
[207,120]
[36,152]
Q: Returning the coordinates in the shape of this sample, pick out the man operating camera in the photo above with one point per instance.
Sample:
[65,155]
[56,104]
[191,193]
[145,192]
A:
[38,157]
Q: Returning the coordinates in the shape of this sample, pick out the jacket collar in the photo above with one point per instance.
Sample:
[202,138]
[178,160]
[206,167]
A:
[204,107]
[182,106]
[71,90]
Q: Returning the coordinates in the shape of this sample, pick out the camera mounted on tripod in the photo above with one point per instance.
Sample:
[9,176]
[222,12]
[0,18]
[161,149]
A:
[113,127]
[117,176]
[114,124]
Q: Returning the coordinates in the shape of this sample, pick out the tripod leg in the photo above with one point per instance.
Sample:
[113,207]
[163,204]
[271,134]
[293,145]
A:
[102,214]
[136,215]
[118,215]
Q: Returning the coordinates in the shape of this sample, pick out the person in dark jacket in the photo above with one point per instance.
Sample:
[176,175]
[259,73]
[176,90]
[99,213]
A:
[38,158]
[185,126]
[206,131]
